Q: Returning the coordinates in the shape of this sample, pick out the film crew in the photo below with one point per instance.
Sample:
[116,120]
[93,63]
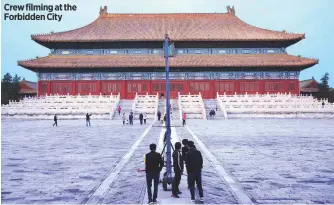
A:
[153,167]
[178,170]
[185,149]
[194,164]
[88,119]
[55,119]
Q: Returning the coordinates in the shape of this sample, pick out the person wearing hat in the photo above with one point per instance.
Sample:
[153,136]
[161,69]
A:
[194,164]
[153,167]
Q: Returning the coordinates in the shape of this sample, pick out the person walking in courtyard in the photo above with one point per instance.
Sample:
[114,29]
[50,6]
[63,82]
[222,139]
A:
[159,115]
[210,114]
[131,119]
[216,108]
[131,112]
[88,119]
[153,167]
[55,119]
[178,170]
[184,118]
[213,113]
[123,118]
[145,118]
[141,117]
[194,164]
[119,110]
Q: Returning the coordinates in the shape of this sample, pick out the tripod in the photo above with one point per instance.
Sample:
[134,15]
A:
[166,180]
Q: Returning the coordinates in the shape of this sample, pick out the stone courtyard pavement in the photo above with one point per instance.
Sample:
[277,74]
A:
[274,161]
[45,164]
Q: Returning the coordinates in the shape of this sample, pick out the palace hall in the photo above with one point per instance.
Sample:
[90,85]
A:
[123,53]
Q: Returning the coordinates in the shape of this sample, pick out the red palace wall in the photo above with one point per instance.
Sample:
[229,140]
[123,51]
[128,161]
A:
[128,88]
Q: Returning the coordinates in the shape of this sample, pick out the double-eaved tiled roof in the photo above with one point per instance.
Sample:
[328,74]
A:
[117,61]
[179,27]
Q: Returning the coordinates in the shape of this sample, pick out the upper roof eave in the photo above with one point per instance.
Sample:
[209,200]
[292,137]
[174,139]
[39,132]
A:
[222,26]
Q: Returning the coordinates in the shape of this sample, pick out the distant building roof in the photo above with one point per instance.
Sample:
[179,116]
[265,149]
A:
[309,86]
[27,87]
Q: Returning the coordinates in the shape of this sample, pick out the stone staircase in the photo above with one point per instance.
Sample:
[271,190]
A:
[161,107]
[176,111]
[211,104]
[126,106]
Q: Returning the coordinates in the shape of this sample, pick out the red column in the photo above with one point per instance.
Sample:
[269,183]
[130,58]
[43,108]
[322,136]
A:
[124,88]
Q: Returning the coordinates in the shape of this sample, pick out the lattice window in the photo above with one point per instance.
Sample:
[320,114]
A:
[44,88]
[180,87]
[155,87]
[61,88]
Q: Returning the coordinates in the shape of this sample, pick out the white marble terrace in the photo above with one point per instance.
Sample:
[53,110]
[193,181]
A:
[145,104]
[192,105]
[233,106]
[65,106]
[274,105]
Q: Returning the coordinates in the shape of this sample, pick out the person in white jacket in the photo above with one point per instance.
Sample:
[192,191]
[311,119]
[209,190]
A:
[123,118]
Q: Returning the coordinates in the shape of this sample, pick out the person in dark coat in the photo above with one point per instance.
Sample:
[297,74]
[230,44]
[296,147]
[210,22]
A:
[323,104]
[210,114]
[88,119]
[194,166]
[185,149]
[131,119]
[178,169]
[119,110]
[213,114]
[55,119]
[159,115]
[165,118]
[141,117]
[153,167]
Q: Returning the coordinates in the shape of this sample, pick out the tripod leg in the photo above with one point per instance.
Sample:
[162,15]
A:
[172,147]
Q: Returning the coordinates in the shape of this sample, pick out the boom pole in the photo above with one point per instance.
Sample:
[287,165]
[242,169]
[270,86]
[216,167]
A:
[168,129]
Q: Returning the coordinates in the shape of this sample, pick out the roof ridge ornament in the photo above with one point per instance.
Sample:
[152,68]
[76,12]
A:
[230,10]
[103,11]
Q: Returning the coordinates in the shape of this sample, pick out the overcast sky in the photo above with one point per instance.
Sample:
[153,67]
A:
[312,17]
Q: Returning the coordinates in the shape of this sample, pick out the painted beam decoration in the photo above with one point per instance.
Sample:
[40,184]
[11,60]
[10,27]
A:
[173,76]
[178,51]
